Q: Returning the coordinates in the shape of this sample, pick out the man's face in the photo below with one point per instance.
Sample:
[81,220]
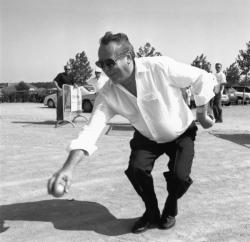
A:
[67,70]
[115,63]
[218,68]
[209,67]
[97,74]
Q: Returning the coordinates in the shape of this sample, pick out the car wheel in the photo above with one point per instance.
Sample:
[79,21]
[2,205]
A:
[51,103]
[87,106]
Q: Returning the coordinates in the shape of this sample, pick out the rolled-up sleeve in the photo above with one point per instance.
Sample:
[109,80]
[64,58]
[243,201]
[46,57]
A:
[90,133]
[203,88]
[184,75]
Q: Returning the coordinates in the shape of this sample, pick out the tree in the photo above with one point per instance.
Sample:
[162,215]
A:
[147,50]
[22,86]
[47,85]
[201,62]
[9,90]
[243,60]
[233,74]
[81,70]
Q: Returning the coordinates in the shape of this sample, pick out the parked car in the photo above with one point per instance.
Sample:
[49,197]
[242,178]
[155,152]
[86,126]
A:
[231,94]
[241,93]
[225,99]
[87,101]
[50,100]
[228,96]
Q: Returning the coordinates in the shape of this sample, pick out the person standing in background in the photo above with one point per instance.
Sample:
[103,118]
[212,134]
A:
[61,79]
[99,80]
[221,81]
[210,105]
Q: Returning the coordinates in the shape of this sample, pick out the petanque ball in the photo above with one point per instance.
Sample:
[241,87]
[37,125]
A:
[58,190]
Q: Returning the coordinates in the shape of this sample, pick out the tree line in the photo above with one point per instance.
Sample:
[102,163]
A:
[236,73]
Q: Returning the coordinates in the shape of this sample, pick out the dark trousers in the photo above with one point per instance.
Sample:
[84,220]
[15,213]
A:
[217,108]
[59,107]
[210,108]
[144,152]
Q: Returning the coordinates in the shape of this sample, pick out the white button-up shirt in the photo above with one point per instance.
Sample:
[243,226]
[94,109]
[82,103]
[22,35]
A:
[221,79]
[159,111]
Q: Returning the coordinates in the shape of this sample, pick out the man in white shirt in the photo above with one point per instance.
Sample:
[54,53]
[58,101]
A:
[99,80]
[146,91]
[210,106]
[221,81]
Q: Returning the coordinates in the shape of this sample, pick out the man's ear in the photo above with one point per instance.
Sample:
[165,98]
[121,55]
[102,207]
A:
[129,59]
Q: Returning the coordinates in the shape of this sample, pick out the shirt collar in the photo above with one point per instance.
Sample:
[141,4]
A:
[139,67]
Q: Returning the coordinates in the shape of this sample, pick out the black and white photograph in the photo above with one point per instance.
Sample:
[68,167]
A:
[125,121]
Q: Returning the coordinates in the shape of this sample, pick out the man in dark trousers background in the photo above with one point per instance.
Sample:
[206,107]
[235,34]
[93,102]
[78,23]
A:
[221,81]
[61,79]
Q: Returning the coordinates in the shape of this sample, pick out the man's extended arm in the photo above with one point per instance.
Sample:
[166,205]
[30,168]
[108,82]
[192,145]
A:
[202,84]
[223,83]
[83,146]
[201,115]
[57,86]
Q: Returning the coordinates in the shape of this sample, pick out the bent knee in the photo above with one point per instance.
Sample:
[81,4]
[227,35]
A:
[182,176]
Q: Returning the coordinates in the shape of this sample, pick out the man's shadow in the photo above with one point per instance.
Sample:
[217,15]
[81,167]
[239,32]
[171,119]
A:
[241,139]
[67,215]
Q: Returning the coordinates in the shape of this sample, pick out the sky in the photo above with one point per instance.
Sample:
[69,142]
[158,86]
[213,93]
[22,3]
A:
[38,37]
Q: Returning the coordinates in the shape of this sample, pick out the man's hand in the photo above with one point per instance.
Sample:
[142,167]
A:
[201,115]
[64,177]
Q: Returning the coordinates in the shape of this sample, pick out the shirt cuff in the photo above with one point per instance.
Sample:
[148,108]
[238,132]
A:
[77,144]
[199,101]
[205,90]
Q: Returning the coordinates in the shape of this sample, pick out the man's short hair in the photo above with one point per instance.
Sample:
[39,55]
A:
[218,64]
[119,38]
[67,67]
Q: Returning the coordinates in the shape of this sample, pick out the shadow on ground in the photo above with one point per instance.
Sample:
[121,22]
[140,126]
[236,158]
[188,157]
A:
[47,122]
[240,139]
[67,215]
[43,107]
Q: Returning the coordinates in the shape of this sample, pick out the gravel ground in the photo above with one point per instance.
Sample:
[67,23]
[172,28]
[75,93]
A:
[101,205]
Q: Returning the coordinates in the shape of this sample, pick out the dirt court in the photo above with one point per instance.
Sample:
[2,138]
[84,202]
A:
[101,205]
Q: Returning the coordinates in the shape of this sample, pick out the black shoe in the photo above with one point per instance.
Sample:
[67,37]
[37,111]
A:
[145,222]
[218,121]
[167,222]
